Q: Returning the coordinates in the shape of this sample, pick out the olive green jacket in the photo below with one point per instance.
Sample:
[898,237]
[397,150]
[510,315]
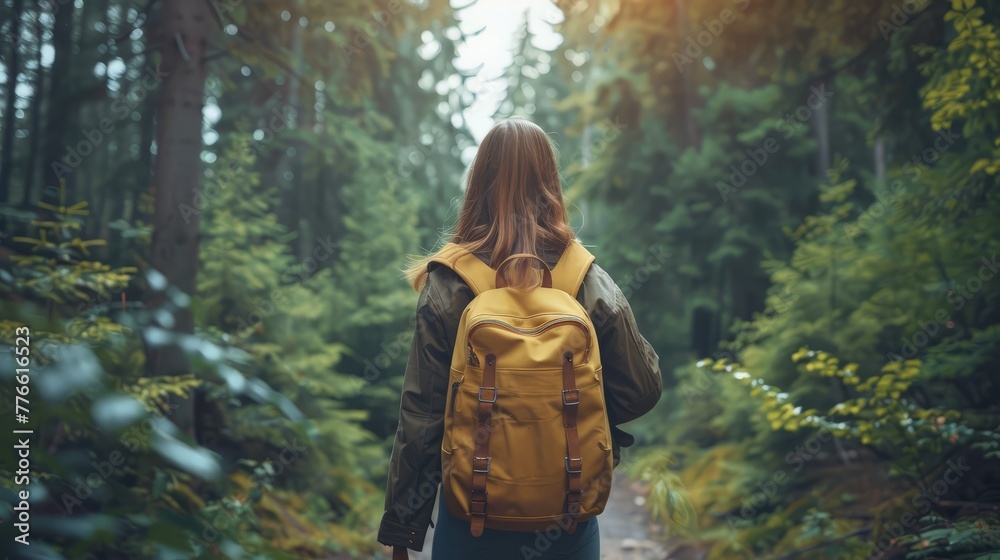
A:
[632,385]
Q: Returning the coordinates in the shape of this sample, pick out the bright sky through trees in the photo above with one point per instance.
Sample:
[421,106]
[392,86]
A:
[501,22]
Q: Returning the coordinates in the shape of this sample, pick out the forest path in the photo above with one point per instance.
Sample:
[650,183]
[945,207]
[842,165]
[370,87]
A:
[626,526]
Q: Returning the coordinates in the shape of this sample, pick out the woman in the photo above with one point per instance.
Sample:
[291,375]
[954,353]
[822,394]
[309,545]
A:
[513,204]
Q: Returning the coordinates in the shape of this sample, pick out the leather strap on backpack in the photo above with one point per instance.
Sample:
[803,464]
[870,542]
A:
[481,460]
[574,458]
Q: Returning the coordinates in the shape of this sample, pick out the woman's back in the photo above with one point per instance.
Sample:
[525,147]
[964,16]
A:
[513,204]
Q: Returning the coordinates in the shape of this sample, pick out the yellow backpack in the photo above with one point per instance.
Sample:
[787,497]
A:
[527,444]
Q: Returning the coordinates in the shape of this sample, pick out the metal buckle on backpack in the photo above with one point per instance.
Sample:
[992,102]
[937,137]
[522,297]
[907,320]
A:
[576,397]
[489,464]
[493,400]
[577,470]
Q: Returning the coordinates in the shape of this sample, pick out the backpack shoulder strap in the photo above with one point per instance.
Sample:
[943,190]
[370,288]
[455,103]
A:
[567,275]
[572,267]
[477,274]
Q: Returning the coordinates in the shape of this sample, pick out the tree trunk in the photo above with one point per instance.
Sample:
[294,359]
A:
[147,134]
[822,130]
[59,103]
[36,115]
[298,186]
[9,113]
[880,163]
[177,175]
[689,136]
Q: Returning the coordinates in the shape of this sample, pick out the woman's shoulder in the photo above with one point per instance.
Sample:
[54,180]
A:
[597,277]
[600,292]
[445,290]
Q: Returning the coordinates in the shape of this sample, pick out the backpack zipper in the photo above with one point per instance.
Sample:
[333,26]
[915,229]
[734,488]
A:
[575,321]
[470,355]
[454,395]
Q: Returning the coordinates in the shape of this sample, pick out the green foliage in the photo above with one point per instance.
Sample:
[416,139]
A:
[871,360]
[669,501]
[102,446]
[58,267]
[802,213]
[276,308]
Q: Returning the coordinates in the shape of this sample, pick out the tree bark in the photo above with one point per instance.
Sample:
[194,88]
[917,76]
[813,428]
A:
[60,105]
[9,113]
[147,134]
[36,115]
[177,175]
[822,130]
[689,134]
[880,160]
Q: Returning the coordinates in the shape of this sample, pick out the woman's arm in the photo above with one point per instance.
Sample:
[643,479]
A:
[632,380]
[415,467]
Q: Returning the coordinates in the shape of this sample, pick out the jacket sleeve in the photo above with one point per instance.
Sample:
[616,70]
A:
[415,466]
[632,379]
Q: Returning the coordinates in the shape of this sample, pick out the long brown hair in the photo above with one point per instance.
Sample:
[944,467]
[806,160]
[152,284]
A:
[513,201]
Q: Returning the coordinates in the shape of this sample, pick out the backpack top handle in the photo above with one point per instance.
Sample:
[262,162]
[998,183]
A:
[567,275]
[501,280]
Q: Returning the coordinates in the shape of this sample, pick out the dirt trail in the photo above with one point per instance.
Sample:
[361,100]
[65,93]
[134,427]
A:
[625,526]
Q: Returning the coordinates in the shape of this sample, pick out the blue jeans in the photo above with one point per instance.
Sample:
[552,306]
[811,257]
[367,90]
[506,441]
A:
[453,541]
